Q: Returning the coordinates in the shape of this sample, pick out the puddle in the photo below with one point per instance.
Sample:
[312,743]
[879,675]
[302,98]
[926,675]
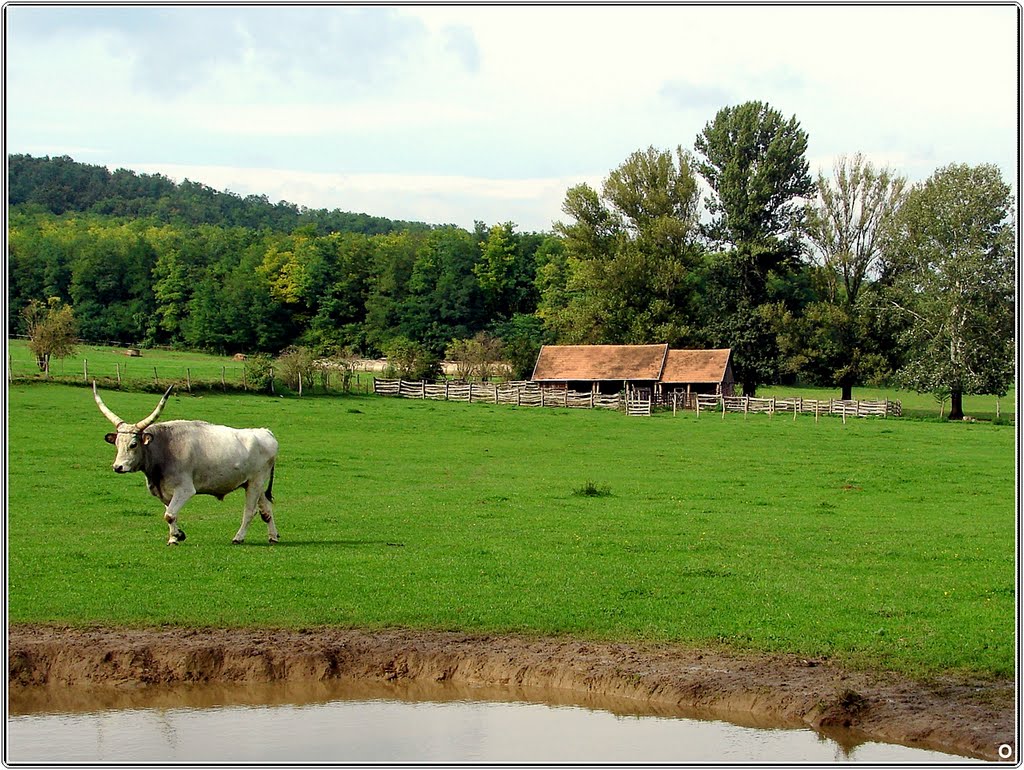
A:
[379,723]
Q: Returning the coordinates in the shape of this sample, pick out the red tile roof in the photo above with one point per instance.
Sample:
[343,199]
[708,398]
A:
[696,365]
[600,362]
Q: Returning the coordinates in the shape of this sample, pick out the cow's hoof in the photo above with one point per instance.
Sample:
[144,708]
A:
[235,541]
[180,535]
[273,540]
[172,541]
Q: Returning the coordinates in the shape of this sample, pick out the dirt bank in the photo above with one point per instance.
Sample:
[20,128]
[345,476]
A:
[972,718]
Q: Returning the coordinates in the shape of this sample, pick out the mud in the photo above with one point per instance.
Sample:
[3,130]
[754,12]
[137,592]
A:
[955,715]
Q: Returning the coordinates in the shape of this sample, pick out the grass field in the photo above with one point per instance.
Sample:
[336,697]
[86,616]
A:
[204,370]
[881,543]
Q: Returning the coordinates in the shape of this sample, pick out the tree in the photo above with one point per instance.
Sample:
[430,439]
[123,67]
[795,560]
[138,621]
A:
[476,356]
[848,225]
[954,268]
[754,161]
[51,330]
[627,274]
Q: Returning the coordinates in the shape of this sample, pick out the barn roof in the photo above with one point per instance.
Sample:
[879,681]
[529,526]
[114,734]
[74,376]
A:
[600,362]
[696,365]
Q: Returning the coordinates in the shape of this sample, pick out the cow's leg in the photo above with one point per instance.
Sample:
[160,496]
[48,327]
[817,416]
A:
[267,514]
[181,496]
[252,496]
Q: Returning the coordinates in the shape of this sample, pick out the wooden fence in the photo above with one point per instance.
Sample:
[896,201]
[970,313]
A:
[530,394]
[515,393]
[795,406]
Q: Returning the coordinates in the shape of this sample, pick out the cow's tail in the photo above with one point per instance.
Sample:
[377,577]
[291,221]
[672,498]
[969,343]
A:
[269,494]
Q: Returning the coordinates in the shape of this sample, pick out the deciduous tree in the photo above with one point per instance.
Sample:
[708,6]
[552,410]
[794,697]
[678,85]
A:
[954,265]
[755,162]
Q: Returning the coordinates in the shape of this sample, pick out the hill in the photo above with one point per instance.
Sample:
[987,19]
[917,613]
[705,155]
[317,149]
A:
[61,185]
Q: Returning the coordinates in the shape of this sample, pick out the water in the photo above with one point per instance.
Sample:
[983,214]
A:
[383,724]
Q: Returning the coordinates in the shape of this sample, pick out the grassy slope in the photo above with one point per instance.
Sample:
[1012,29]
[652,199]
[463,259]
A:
[882,543]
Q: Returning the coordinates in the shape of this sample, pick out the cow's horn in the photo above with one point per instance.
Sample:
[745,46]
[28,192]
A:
[142,425]
[118,422]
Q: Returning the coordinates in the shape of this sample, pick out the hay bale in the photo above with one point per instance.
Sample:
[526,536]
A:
[133,353]
[240,356]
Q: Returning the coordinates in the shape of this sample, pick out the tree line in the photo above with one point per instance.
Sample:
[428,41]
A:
[839,280]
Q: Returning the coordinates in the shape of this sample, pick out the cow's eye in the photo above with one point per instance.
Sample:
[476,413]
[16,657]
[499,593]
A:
[134,443]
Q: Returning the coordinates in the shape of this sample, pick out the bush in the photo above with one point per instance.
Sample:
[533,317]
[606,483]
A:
[258,372]
[293,365]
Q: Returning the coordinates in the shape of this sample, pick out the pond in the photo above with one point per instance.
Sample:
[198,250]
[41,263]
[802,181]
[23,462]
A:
[375,723]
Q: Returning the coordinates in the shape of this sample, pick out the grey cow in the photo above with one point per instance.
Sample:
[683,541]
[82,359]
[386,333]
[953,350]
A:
[183,458]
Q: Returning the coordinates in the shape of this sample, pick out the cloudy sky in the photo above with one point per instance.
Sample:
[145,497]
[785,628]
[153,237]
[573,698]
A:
[452,114]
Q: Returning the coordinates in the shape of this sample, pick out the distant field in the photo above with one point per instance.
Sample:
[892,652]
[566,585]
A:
[204,371]
[155,369]
[880,543]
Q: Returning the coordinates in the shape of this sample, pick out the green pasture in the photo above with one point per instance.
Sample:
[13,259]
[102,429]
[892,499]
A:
[209,371]
[882,543]
[154,370]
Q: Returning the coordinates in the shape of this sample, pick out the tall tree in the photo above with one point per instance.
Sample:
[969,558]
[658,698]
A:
[628,271]
[848,224]
[954,265]
[754,161]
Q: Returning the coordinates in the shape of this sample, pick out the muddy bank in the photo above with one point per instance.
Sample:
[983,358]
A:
[971,718]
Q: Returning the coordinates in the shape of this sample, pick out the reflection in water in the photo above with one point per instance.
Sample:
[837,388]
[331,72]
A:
[395,723]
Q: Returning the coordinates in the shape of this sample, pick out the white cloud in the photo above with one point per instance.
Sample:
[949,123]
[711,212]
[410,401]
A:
[396,196]
[457,110]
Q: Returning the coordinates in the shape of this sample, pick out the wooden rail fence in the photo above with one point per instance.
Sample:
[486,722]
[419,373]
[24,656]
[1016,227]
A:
[529,394]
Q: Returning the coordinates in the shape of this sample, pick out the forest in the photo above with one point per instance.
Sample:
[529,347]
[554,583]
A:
[847,279]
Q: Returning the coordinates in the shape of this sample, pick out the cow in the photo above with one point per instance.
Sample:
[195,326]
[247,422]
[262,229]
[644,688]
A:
[182,458]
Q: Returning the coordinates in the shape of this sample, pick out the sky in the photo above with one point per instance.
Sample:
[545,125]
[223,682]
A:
[453,114]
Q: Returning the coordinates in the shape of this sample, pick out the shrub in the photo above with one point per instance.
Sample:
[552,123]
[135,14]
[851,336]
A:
[258,372]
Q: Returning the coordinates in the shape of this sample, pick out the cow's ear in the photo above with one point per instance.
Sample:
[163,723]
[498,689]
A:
[110,438]
[146,438]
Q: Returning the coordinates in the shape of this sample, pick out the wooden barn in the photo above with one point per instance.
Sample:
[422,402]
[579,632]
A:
[697,371]
[649,369]
[600,368]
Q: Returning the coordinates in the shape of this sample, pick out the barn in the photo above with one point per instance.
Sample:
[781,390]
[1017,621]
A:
[697,371]
[600,368]
[650,369]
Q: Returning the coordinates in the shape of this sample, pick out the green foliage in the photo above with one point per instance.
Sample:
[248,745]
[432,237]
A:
[51,330]
[295,365]
[411,361]
[477,357]
[755,163]
[628,273]
[775,535]
[954,280]
[259,372]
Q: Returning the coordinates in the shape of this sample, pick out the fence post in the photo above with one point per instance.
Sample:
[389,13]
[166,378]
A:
[300,383]
[223,384]
[156,379]
[85,370]
[117,367]
[723,405]
[817,401]
[495,392]
[746,406]
[188,379]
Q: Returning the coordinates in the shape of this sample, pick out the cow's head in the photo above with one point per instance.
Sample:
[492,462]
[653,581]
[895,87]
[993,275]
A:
[129,439]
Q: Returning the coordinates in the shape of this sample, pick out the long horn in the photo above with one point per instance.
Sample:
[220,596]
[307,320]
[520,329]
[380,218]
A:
[118,422]
[142,425]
